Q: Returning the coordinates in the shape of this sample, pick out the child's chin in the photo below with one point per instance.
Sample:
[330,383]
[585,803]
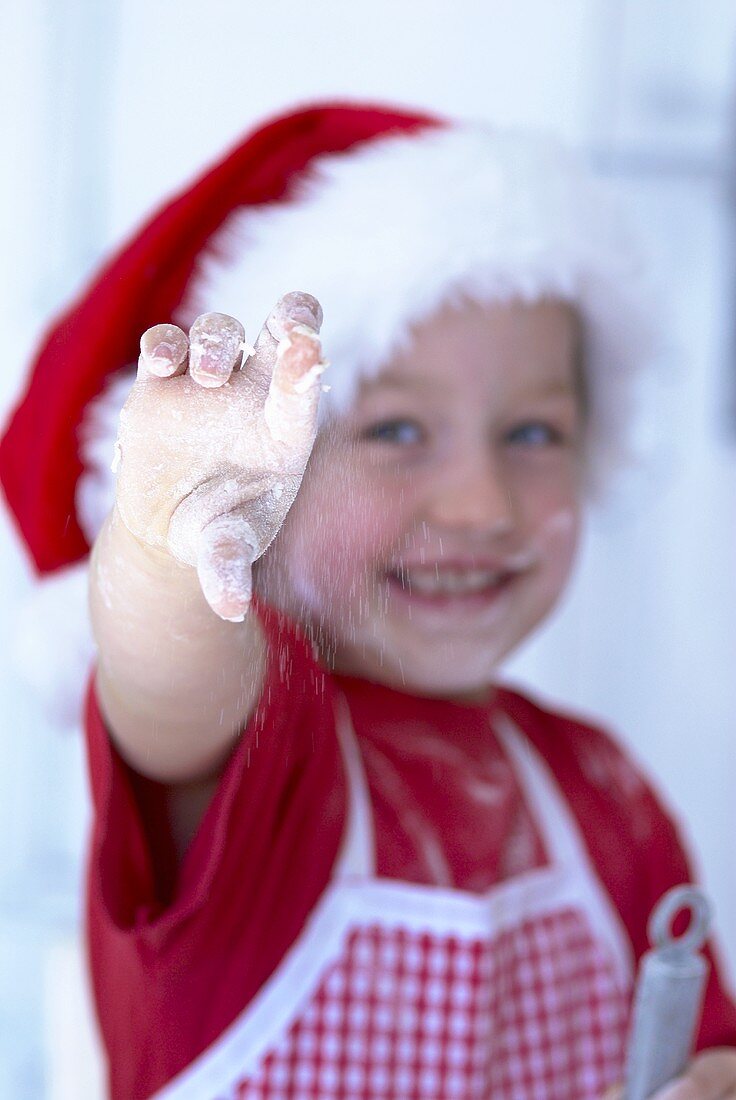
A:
[460,676]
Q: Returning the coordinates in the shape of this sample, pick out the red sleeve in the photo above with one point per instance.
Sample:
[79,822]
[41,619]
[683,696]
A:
[633,839]
[175,958]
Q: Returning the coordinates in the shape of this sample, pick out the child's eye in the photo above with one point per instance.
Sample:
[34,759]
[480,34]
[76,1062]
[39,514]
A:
[536,433]
[400,431]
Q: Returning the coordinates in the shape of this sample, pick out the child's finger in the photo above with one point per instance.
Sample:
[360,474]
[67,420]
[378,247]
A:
[296,307]
[710,1076]
[163,352]
[224,560]
[293,398]
[215,348]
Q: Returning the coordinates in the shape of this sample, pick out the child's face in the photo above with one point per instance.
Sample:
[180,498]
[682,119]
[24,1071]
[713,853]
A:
[437,522]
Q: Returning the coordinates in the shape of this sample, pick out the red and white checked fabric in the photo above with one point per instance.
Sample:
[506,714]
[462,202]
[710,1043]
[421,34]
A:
[531,1015]
[397,991]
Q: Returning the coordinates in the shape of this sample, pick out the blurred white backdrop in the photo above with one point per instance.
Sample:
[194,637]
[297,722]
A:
[112,105]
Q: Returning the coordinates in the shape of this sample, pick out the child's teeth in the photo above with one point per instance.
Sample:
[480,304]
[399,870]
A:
[449,581]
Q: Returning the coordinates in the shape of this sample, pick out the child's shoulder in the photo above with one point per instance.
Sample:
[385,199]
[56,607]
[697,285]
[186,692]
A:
[579,749]
[529,707]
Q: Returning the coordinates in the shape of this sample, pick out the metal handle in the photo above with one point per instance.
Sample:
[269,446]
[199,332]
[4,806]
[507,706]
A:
[669,993]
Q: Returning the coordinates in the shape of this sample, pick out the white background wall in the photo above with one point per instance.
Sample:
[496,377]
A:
[112,105]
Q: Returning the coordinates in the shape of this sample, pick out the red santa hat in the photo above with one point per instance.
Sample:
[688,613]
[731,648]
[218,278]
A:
[384,215]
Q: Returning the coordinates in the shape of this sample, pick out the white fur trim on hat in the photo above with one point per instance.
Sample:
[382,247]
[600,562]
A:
[98,431]
[392,230]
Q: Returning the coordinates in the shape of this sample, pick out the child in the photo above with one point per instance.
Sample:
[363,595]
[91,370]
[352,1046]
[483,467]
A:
[332,855]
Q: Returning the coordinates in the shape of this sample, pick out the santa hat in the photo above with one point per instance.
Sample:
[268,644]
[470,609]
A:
[383,215]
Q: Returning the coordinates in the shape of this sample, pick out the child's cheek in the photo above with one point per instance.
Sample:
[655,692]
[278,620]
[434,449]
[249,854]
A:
[337,536]
[554,543]
[356,539]
[559,531]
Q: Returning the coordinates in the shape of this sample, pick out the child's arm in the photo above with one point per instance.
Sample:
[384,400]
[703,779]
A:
[175,682]
[210,463]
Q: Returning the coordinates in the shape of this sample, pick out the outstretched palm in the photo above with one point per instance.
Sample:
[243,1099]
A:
[211,453]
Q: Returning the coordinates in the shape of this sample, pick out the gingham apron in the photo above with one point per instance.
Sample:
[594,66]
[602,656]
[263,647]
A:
[407,992]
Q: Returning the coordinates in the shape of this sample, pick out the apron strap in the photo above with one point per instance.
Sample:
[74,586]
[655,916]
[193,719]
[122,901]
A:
[357,855]
[560,832]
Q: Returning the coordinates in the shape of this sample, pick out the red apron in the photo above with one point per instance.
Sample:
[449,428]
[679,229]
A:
[405,992]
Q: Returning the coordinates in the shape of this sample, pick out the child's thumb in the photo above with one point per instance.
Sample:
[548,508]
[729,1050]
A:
[226,552]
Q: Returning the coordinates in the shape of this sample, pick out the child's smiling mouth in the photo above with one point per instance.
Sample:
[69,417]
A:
[452,585]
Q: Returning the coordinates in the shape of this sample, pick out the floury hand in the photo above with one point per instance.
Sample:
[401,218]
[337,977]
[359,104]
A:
[210,452]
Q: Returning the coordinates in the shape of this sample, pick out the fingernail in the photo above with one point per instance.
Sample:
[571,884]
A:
[160,361]
[210,364]
[163,348]
[215,341]
[295,309]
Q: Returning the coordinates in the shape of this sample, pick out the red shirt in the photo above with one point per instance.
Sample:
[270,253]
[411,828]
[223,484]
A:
[177,955]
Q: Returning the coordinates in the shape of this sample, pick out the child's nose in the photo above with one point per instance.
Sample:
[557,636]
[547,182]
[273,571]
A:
[473,496]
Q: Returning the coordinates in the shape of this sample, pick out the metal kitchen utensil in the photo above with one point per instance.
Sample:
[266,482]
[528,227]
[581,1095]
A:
[669,993]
